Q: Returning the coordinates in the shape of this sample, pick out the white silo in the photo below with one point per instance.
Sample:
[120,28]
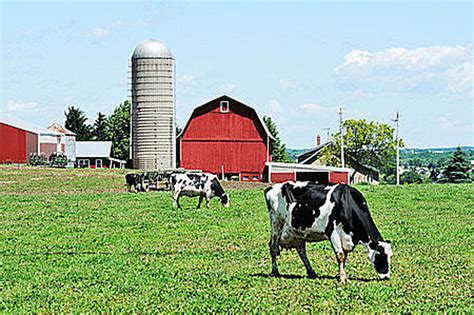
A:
[153,130]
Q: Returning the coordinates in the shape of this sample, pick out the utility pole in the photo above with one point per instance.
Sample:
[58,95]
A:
[341,130]
[396,120]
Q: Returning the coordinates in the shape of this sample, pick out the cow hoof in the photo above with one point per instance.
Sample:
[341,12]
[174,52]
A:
[312,275]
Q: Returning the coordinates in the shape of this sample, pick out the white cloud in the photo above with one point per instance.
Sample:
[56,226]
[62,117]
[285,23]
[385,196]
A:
[447,121]
[100,32]
[288,85]
[445,70]
[319,108]
[274,106]
[228,87]
[15,106]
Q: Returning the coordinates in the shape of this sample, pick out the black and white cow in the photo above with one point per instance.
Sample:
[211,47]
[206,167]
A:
[203,185]
[303,212]
[135,182]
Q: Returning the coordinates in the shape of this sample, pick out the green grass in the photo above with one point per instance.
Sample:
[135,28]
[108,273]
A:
[76,250]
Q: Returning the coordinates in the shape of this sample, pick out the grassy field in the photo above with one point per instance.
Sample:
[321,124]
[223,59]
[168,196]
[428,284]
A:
[74,240]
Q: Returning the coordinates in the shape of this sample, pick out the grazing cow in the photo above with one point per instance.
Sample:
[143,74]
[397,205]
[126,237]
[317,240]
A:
[308,212]
[137,182]
[203,185]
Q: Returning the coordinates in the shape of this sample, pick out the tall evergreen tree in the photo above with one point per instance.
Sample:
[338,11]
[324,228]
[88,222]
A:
[457,169]
[279,153]
[100,128]
[76,122]
[119,130]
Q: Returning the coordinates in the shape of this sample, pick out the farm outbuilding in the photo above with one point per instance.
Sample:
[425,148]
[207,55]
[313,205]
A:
[226,137]
[96,154]
[278,172]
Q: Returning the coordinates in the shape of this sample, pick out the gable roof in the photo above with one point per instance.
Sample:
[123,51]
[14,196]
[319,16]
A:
[59,128]
[93,149]
[312,155]
[225,97]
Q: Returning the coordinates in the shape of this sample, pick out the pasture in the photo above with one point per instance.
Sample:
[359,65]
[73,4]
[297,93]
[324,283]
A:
[75,241]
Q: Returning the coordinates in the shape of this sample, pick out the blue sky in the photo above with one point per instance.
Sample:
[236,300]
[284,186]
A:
[295,61]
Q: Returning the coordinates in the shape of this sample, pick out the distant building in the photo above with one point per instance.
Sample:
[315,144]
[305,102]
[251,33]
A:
[66,143]
[358,173]
[96,154]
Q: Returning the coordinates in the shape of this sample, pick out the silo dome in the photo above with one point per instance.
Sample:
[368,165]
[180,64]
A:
[151,48]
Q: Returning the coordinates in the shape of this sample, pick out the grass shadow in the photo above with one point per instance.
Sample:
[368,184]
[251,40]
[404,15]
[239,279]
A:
[266,275]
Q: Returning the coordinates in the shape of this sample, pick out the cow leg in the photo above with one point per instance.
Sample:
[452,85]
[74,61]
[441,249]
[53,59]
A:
[340,255]
[274,245]
[208,198]
[301,249]
[201,197]
[176,199]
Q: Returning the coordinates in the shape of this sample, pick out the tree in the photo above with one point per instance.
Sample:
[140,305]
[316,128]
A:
[279,153]
[100,128]
[76,122]
[119,130]
[457,169]
[368,143]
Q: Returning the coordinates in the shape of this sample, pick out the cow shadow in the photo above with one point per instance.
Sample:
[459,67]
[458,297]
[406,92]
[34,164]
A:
[290,276]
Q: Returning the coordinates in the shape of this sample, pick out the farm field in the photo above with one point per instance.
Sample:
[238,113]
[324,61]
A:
[75,241]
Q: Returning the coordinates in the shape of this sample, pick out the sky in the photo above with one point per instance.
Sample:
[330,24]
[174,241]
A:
[295,61]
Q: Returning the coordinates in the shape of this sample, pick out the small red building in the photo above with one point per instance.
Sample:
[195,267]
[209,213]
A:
[225,136]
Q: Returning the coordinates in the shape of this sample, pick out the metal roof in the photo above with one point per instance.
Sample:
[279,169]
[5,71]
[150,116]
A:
[93,149]
[27,126]
[306,167]
[151,48]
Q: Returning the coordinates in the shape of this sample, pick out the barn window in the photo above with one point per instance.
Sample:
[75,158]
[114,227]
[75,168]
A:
[224,106]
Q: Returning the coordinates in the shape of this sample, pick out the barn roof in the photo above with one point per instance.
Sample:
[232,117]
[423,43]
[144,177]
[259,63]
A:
[93,149]
[224,97]
[27,126]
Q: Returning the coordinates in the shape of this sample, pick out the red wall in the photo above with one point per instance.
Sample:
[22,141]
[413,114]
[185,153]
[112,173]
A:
[14,146]
[235,139]
[48,148]
[282,177]
[339,177]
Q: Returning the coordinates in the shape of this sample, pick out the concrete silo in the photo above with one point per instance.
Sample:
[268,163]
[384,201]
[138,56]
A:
[153,130]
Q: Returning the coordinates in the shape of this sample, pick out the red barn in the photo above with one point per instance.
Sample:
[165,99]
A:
[16,143]
[225,136]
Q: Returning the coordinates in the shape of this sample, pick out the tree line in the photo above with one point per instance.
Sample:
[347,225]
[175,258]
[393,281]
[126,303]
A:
[115,127]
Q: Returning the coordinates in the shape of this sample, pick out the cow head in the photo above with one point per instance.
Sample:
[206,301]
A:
[225,200]
[379,255]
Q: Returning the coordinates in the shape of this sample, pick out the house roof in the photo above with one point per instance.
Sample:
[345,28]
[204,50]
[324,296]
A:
[310,156]
[59,128]
[93,149]
[224,97]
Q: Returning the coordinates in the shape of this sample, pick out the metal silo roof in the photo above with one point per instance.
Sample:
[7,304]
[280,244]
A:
[151,48]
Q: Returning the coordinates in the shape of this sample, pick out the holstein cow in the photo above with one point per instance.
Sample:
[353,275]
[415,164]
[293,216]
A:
[203,185]
[308,212]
